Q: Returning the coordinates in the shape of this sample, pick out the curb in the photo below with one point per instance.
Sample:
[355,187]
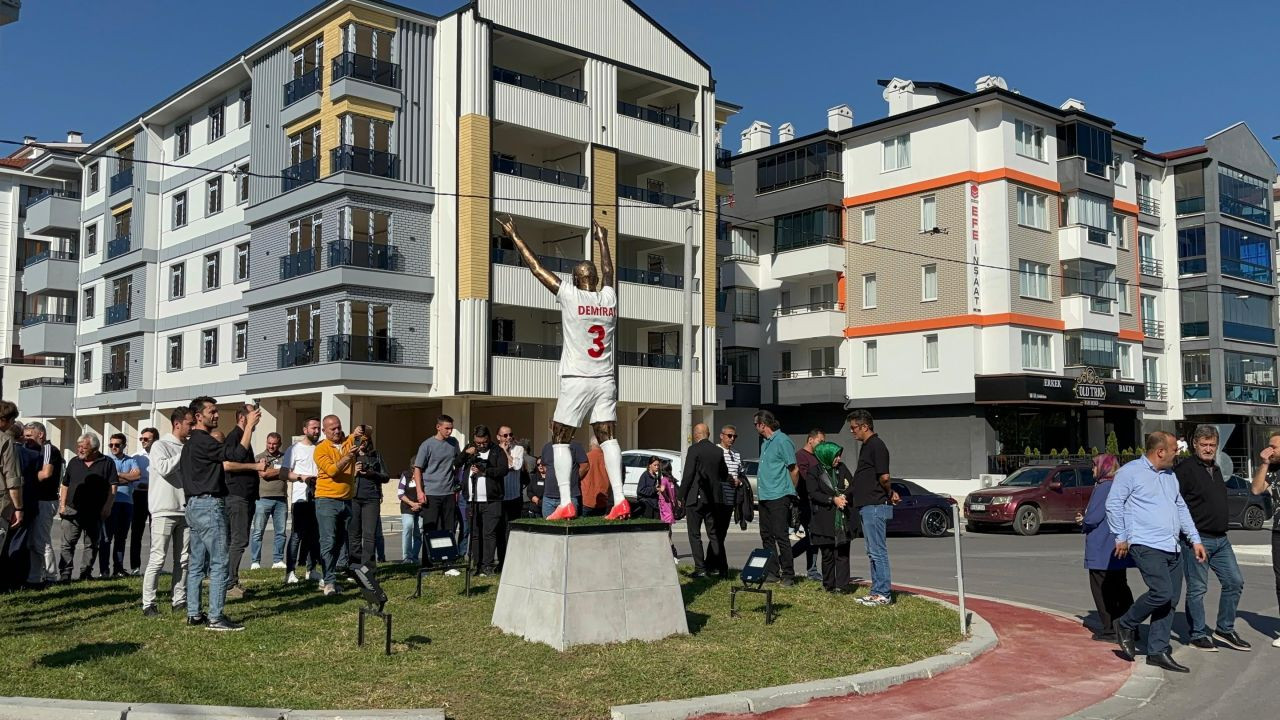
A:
[24,708]
[1143,684]
[982,637]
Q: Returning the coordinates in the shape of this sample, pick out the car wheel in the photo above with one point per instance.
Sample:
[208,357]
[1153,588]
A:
[934,523]
[1254,517]
[1027,521]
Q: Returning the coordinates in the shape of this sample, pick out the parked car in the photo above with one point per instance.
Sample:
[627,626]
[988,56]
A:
[1247,510]
[634,463]
[1034,495]
[751,468]
[919,511]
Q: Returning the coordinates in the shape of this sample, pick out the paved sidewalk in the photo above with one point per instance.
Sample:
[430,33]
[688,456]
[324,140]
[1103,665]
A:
[1046,667]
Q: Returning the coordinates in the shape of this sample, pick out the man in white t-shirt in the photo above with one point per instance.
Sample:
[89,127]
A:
[588,383]
[304,538]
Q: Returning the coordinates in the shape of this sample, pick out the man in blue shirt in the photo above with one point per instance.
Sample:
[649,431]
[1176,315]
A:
[115,532]
[579,467]
[1146,512]
[776,490]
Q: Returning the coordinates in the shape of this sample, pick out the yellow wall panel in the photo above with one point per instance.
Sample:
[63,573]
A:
[364,16]
[121,208]
[604,195]
[474,207]
[709,282]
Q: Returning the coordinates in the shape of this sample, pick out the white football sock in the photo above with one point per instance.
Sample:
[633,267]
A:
[562,459]
[613,466]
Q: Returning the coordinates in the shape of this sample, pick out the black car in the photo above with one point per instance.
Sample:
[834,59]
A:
[920,512]
[1247,510]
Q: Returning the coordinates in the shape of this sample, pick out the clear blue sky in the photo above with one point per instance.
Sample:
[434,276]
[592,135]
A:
[783,61]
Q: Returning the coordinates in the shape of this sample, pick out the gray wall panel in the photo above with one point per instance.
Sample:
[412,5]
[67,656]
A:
[268,146]
[413,131]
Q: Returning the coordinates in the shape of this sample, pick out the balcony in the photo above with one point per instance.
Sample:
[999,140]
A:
[118,313]
[1197,391]
[362,67]
[118,246]
[1248,333]
[46,397]
[648,360]
[724,157]
[648,277]
[40,318]
[121,180]
[1189,206]
[115,381]
[300,263]
[302,86]
[367,161]
[354,253]
[51,211]
[297,353]
[1081,242]
[799,387]
[1254,394]
[545,201]
[360,348]
[56,271]
[1148,205]
[649,133]
[1153,328]
[562,178]
[537,84]
[44,255]
[1157,391]
[44,334]
[1151,267]
[1196,265]
[657,117]
[807,256]
[650,197]
[528,351]
[550,262]
[1245,270]
[298,175]
[798,323]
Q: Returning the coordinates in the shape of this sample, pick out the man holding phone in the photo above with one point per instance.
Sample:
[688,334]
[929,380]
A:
[1264,479]
[242,492]
[335,486]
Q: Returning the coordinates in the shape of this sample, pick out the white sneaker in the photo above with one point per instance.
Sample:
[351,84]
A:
[452,573]
[1276,643]
[255,566]
[277,566]
[292,579]
[330,589]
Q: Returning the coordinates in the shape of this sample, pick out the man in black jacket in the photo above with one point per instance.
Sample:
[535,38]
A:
[487,465]
[1202,487]
[242,497]
[701,490]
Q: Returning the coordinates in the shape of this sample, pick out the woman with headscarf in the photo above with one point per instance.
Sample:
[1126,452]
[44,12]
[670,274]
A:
[1108,574]
[826,485]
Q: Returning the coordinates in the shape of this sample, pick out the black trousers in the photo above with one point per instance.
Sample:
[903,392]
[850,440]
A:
[723,516]
[112,536]
[695,517]
[511,510]
[486,517]
[304,539]
[239,518]
[1111,595]
[440,513]
[774,518]
[1275,559]
[363,532]
[137,528]
[88,525]
[835,565]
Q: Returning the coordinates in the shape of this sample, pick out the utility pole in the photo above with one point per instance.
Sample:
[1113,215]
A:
[686,331]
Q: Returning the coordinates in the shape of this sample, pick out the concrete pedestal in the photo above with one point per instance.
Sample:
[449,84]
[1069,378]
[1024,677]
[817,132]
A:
[589,584]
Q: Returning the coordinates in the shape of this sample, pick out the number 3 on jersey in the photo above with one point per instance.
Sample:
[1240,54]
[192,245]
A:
[597,347]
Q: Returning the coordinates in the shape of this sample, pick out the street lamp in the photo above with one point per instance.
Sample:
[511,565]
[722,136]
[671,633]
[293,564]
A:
[686,330]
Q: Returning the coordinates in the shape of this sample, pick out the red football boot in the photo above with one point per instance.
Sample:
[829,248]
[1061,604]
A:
[621,511]
[564,512]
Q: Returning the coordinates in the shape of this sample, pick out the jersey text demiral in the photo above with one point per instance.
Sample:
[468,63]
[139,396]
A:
[588,323]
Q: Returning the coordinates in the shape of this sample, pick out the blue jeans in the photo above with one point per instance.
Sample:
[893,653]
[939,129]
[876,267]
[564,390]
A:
[875,521]
[1222,559]
[549,505]
[1163,576]
[332,516]
[410,536]
[278,510]
[207,529]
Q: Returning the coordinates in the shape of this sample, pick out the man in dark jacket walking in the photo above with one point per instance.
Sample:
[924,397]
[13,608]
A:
[701,491]
[486,466]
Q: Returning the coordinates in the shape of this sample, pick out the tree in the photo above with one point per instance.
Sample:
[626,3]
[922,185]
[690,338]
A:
[1113,445]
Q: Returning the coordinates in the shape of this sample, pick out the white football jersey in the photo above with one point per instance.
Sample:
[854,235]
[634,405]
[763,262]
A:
[588,323]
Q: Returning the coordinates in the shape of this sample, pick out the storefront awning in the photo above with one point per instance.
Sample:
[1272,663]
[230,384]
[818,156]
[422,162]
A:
[1087,390]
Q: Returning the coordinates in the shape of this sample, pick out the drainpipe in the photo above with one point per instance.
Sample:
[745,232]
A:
[159,284]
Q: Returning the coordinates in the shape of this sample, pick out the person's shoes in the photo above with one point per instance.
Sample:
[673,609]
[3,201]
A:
[815,576]
[291,579]
[330,589]
[874,601]
[1125,639]
[620,511]
[119,573]
[771,579]
[788,581]
[224,624]
[197,620]
[840,591]
[235,592]
[452,572]
[1233,640]
[277,565]
[697,574]
[255,566]
[150,611]
[1275,643]
[136,572]
[1205,643]
[1166,661]
[315,575]
[178,607]
[564,512]
[1106,637]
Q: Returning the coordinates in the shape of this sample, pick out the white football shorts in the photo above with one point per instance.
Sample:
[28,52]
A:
[593,397]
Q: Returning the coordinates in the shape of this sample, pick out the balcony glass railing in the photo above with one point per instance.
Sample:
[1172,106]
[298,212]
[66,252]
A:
[1153,328]
[1248,333]
[363,254]
[790,240]
[648,360]
[298,175]
[657,117]
[363,348]
[537,84]
[1192,265]
[52,192]
[529,351]
[300,263]
[113,381]
[118,313]
[363,67]
[724,157]
[1245,270]
[724,374]
[45,382]
[1195,329]
[41,318]
[366,161]
[1098,237]
[1197,391]
[1243,210]
[811,373]
[302,86]
[296,353]
[507,166]
[1157,391]
[1189,206]
[117,246]
[1148,205]
[1151,266]
[550,262]
[121,180]
[1237,392]
[648,277]
[824,306]
[652,197]
[49,255]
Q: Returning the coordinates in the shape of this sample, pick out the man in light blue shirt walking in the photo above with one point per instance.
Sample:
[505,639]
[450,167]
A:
[1146,512]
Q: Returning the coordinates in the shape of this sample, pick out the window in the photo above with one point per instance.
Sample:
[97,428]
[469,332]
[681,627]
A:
[182,139]
[1149,308]
[246,106]
[869,225]
[242,183]
[896,153]
[1093,349]
[1250,378]
[1146,188]
[1032,210]
[928,213]
[1246,255]
[242,262]
[1033,280]
[1028,139]
[868,291]
[1246,316]
[212,271]
[744,304]
[819,226]
[209,347]
[94,178]
[928,283]
[822,361]
[744,244]
[1193,308]
[1092,279]
[177,280]
[91,240]
[1037,351]
[1197,379]
[1091,143]
[1094,211]
[1122,295]
[240,341]
[1150,369]
[870,357]
[744,364]
[1188,188]
[217,121]
[180,209]
[175,352]
[1122,237]
[1117,169]
[1243,196]
[1126,361]
[90,303]
[1191,251]
[930,352]
[800,165]
[214,194]
[86,366]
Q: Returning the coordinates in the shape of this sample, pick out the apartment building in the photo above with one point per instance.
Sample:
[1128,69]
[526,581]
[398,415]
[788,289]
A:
[311,224]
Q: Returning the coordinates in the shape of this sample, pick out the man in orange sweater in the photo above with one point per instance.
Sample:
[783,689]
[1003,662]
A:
[595,484]
[336,469]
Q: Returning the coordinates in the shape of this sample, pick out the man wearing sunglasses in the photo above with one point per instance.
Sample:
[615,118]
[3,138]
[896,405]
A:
[723,511]
[115,533]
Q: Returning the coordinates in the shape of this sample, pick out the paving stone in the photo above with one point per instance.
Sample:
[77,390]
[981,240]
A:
[682,709]
[163,711]
[418,714]
[21,708]
[766,699]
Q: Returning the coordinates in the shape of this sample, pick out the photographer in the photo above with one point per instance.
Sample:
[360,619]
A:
[335,485]
[371,475]
[486,466]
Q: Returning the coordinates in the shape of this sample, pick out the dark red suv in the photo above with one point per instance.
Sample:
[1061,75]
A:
[1031,497]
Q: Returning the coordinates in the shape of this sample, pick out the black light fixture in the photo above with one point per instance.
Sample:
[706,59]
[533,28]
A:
[441,551]
[753,575]
[375,601]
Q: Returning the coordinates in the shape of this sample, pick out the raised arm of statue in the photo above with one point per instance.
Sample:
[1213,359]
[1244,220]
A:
[549,279]
[606,261]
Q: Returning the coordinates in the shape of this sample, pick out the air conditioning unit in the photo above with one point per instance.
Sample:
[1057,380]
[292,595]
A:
[990,480]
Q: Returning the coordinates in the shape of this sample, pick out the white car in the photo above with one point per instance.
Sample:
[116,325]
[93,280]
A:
[634,463]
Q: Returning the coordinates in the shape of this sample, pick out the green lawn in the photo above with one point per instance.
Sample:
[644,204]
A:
[88,640]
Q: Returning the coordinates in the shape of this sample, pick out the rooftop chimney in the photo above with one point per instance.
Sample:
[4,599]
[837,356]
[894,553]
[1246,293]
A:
[786,131]
[28,139]
[839,118]
[75,136]
[986,82]
[757,135]
[1072,104]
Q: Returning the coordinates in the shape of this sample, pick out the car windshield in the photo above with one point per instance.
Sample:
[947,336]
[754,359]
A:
[1027,477]
[750,467]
